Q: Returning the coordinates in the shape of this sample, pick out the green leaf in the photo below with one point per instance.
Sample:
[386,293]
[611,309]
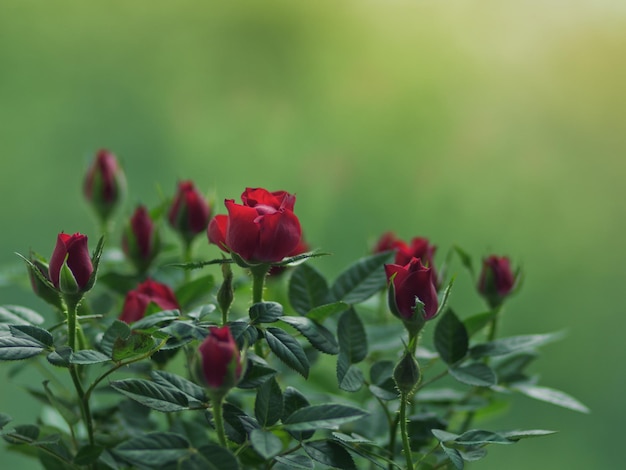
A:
[381,380]
[4,420]
[17,315]
[13,349]
[137,344]
[152,395]
[243,333]
[88,455]
[319,337]
[34,332]
[60,357]
[352,338]
[307,289]
[362,279]
[154,450]
[268,406]
[466,259]
[265,312]
[525,434]
[329,453]
[22,434]
[118,329]
[156,319]
[288,350]
[477,374]
[511,367]
[265,443]
[454,456]
[190,389]
[443,303]
[550,395]
[349,376]
[296,461]
[355,446]
[257,372]
[328,416]
[293,400]
[119,283]
[88,356]
[195,290]
[477,322]
[513,344]
[321,313]
[213,457]
[475,437]
[451,340]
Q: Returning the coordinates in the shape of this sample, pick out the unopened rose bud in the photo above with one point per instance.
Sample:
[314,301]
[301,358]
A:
[189,213]
[104,184]
[70,264]
[218,361]
[140,239]
[496,280]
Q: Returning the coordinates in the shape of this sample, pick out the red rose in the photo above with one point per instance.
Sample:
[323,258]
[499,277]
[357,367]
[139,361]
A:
[496,279]
[411,282]
[220,362]
[138,300]
[189,214]
[104,183]
[140,239]
[419,247]
[263,229]
[71,251]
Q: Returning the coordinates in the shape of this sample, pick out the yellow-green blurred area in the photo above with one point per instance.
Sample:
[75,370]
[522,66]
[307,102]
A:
[498,126]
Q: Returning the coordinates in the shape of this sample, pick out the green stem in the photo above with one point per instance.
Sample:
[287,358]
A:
[258,281]
[218,418]
[404,401]
[187,256]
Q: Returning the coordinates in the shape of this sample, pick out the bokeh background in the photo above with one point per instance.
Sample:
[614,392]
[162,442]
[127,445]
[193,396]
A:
[499,126]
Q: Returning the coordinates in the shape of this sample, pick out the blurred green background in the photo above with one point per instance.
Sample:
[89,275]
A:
[500,126]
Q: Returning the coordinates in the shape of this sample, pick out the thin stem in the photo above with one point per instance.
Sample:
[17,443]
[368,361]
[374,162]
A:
[187,255]
[404,432]
[435,447]
[439,376]
[218,418]
[258,281]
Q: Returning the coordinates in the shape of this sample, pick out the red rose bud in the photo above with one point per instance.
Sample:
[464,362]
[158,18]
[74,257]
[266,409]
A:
[70,264]
[219,361]
[148,292]
[419,247]
[264,228]
[411,282]
[496,279]
[140,239]
[189,214]
[104,184]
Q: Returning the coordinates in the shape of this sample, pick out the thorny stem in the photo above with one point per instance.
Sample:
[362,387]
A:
[218,418]
[406,447]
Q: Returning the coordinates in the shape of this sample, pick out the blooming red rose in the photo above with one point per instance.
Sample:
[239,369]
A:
[496,279]
[412,281]
[140,239]
[263,229]
[219,360]
[189,213]
[419,247]
[71,251]
[104,183]
[302,247]
[138,300]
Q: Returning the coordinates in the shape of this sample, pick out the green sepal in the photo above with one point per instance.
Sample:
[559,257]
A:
[67,281]
[406,373]
[95,261]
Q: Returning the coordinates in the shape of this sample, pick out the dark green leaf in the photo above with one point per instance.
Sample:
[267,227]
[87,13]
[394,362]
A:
[288,350]
[355,446]
[152,395]
[195,290]
[88,454]
[61,357]
[293,400]
[185,330]
[477,374]
[466,259]
[513,344]
[34,332]
[550,395]
[319,337]
[215,457]
[257,372]
[237,424]
[471,454]
[23,434]
[511,368]
[88,356]
[243,333]
[153,450]
[265,443]
[352,338]
[4,420]
[268,406]
[476,437]
[349,376]
[329,453]
[265,312]
[190,389]
[444,436]
[16,348]
[362,279]
[477,322]
[321,313]
[451,340]
[137,344]
[119,283]
[307,289]
[443,303]
[328,416]
[296,461]
[17,315]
